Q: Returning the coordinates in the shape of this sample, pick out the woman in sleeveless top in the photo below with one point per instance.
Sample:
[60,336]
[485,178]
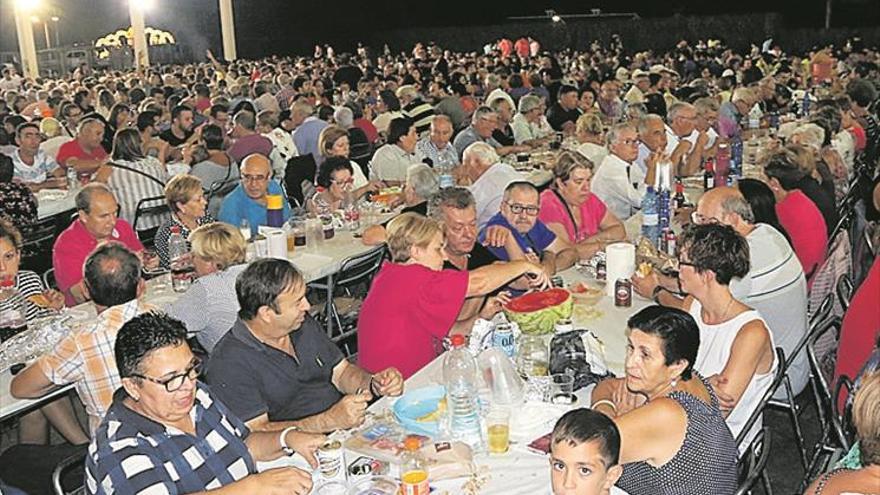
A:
[693,452]
[575,214]
[866,417]
[736,347]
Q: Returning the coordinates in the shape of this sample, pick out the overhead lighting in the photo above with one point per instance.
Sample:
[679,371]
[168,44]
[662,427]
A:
[27,5]
[143,4]
[556,18]
[35,19]
[55,18]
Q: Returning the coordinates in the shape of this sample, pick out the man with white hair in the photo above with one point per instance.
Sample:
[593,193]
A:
[655,145]
[489,177]
[530,125]
[682,127]
[307,128]
[483,123]
[732,112]
[436,147]
[415,107]
[614,182]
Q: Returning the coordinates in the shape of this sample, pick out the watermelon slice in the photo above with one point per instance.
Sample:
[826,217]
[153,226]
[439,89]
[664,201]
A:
[538,312]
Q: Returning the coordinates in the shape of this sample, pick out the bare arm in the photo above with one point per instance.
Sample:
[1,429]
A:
[488,278]
[31,383]
[349,378]
[750,354]
[84,165]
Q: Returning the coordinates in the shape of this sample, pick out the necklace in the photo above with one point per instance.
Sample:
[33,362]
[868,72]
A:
[723,315]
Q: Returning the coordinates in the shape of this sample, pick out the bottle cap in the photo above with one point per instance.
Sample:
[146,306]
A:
[412,443]
[457,340]
[274,202]
[175,229]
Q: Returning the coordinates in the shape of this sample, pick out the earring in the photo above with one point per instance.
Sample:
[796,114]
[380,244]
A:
[674,382]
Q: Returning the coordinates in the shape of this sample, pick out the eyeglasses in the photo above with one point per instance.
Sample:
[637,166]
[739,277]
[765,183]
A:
[174,383]
[460,228]
[528,209]
[346,182]
[628,142]
[254,178]
[700,219]
[682,263]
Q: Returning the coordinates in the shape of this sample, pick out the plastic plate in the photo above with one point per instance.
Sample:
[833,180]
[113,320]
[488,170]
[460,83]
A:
[416,404]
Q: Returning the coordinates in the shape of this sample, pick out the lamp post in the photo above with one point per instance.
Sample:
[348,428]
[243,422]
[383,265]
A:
[36,20]
[55,20]
[227,29]
[25,33]
[141,53]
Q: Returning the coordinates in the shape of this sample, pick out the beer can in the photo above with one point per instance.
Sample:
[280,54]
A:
[503,338]
[331,463]
[623,293]
[364,467]
[601,269]
[557,281]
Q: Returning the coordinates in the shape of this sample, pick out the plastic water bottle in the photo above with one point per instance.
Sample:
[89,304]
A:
[664,208]
[444,172]
[13,319]
[736,156]
[805,104]
[650,216]
[460,376]
[72,179]
[181,262]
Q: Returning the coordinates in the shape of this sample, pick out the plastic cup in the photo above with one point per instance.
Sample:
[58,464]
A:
[498,426]
[561,389]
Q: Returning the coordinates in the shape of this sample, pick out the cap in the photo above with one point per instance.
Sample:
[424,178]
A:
[639,73]
[412,443]
[727,73]
[457,340]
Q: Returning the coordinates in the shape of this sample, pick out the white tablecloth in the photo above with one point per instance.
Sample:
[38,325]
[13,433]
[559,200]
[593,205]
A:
[53,205]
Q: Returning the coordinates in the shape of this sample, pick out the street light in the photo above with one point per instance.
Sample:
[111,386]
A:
[27,5]
[55,19]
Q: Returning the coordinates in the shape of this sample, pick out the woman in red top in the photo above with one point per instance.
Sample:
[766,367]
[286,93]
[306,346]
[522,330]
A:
[572,212]
[413,302]
[797,213]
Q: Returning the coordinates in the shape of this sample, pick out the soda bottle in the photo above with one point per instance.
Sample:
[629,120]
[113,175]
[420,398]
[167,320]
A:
[709,175]
[679,200]
[413,471]
[460,377]
[650,216]
[13,316]
[181,262]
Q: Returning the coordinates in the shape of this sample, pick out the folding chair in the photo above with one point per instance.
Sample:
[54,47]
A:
[765,399]
[300,169]
[844,290]
[61,479]
[789,404]
[343,290]
[49,279]
[145,208]
[753,464]
[37,241]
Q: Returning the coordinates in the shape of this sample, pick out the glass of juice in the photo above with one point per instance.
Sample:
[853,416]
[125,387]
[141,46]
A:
[498,426]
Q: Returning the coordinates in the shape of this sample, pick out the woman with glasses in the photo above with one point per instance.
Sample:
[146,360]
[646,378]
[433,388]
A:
[334,142]
[573,212]
[414,303]
[165,432]
[736,346]
[335,184]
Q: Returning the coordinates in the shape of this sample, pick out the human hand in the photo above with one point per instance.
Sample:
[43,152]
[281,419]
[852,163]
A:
[350,410]
[532,257]
[494,305]
[305,444]
[537,276]
[280,481]
[702,139]
[726,402]
[388,382]
[645,285]
[55,298]
[625,400]
[496,236]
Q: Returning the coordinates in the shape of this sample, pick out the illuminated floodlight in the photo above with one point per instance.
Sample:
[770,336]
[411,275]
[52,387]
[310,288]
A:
[27,5]
[556,18]
[143,4]
[35,19]
[55,18]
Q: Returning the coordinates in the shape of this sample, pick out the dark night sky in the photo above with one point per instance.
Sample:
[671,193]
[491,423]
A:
[286,26]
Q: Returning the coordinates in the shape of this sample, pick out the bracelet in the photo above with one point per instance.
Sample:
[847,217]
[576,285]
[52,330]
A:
[287,450]
[604,402]
[371,388]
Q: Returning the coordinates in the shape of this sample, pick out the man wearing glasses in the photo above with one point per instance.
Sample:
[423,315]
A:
[516,233]
[615,183]
[248,200]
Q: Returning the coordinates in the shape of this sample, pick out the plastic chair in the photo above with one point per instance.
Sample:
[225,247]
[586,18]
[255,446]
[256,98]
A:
[753,464]
[59,476]
[49,279]
[299,169]
[146,207]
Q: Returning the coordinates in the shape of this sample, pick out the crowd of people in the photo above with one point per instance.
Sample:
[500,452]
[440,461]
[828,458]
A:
[239,370]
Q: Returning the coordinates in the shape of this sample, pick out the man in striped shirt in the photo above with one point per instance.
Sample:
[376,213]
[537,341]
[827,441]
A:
[415,107]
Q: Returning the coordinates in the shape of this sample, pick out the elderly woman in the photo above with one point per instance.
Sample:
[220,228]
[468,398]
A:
[334,142]
[178,437]
[34,300]
[421,184]
[694,452]
[529,124]
[866,418]
[573,213]
[810,137]
[828,118]
[335,184]
[736,347]
[133,177]
[797,213]
[414,302]
[210,306]
[186,199]
[591,135]
[390,162]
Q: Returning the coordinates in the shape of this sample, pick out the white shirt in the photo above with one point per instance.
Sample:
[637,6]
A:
[776,287]
[391,162]
[594,152]
[489,189]
[614,187]
[43,165]
[523,130]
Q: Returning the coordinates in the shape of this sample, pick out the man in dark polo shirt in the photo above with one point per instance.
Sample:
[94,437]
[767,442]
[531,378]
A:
[276,368]
[563,114]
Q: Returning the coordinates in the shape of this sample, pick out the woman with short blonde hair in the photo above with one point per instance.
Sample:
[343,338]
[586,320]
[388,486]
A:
[210,306]
[186,200]
[414,303]
[591,135]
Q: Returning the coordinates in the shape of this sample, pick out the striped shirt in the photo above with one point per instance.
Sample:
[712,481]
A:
[210,307]
[28,284]
[131,187]
[421,113]
[132,454]
[85,357]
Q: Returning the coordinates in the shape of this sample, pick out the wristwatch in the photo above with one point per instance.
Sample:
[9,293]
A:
[284,448]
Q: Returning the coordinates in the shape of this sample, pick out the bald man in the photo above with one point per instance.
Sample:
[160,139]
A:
[775,285]
[248,200]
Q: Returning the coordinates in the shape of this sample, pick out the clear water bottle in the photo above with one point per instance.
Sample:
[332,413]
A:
[444,173]
[650,216]
[805,104]
[181,261]
[460,377]
[351,212]
[13,317]
[72,179]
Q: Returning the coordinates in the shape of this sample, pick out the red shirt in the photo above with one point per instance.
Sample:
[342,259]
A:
[75,244]
[806,227]
[860,328]
[368,128]
[408,310]
[522,47]
[72,149]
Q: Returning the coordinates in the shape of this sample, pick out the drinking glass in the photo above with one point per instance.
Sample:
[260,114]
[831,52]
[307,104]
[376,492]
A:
[498,430]
[561,389]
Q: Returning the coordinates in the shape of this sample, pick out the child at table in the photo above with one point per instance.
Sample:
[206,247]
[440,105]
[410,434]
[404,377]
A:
[584,452]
